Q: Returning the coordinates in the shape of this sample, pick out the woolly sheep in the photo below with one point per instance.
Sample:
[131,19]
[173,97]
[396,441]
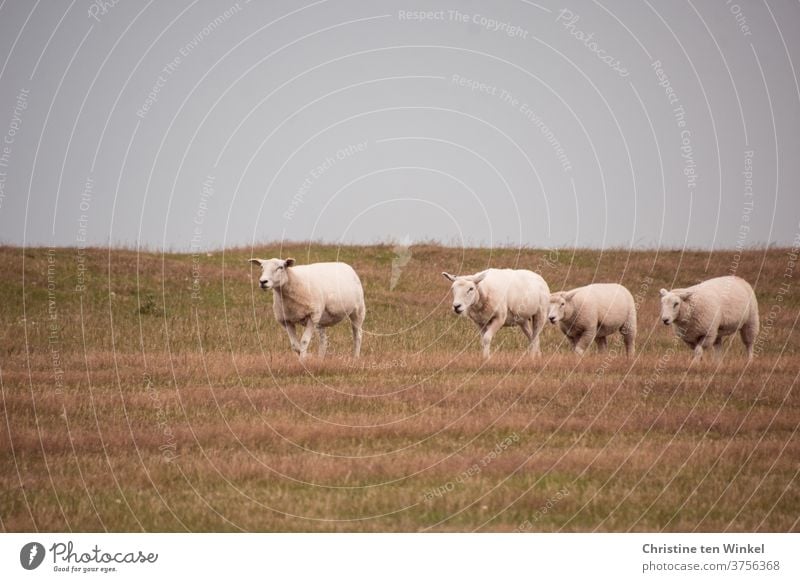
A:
[705,313]
[317,296]
[495,298]
[594,312]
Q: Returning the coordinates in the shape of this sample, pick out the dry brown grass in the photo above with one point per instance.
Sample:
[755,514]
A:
[176,414]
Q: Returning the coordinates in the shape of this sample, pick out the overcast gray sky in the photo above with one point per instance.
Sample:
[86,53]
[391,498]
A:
[199,124]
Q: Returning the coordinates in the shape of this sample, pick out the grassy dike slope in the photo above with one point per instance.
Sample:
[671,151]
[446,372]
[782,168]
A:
[148,401]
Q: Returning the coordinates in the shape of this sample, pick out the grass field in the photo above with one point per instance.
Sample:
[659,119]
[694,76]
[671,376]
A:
[135,398]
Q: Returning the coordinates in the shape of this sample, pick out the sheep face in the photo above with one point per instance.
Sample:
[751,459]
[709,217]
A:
[465,291]
[273,272]
[557,309]
[671,306]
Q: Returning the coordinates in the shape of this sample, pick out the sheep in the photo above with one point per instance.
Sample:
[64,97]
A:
[317,296]
[705,313]
[594,312]
[495,298]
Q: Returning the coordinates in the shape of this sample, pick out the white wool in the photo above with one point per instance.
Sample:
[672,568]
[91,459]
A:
[316,296]
[594,312]
[495,298]
[705,313]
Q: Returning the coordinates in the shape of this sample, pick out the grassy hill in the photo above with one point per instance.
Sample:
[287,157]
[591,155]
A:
[149,391]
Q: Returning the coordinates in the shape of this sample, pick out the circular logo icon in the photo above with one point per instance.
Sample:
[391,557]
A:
[31,555]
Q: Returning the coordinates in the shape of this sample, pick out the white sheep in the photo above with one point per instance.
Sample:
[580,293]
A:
[594,312]
[317,296]
[502,297]
[705,313]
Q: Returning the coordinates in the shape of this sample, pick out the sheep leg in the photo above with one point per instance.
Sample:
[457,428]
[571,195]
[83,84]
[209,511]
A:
[718,347]
[356,323]
[698,350]
[533,341]
[709,342]
[323,341]
[487,333]
[525,326]
[629,336]
[292,333]
[584,341]
[537,325]
[748,337]
[305,339]
[602,344]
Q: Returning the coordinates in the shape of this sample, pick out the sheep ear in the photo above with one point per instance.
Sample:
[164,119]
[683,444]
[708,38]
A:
[663,292]
[477,278]
[448,276]
[569,295]
[288,262]
[254,261]
[685,295]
